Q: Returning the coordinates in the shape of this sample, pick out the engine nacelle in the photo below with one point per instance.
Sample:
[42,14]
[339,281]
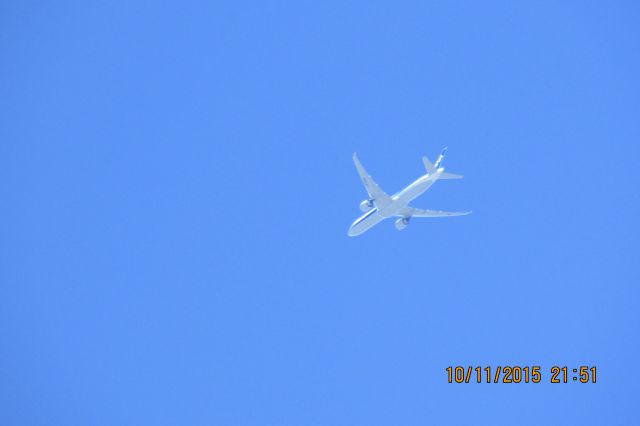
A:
[402,223]
[366,205]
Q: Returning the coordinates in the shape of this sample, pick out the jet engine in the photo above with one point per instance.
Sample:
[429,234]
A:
[402,223]
[366,205]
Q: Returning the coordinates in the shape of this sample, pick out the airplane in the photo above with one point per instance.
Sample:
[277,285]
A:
[380,206]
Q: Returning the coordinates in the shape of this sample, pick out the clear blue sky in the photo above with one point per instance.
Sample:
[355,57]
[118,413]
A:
[177,184]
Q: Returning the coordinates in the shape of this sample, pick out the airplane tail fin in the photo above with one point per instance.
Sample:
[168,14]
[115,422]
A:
[432,168]
[440,158]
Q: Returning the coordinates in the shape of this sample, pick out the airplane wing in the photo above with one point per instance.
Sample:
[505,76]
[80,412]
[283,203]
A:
[412,211]
[375,192]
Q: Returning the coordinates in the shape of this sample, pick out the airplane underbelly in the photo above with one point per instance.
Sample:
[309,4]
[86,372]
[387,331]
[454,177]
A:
[365,222]
[414,191]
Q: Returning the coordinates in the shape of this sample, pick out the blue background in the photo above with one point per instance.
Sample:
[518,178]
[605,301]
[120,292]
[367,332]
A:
[177,184]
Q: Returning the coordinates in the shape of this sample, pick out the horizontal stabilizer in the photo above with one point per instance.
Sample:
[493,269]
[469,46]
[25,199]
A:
[428,165]
[446,175]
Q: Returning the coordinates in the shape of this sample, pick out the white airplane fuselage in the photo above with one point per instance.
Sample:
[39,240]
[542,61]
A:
[394,207]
